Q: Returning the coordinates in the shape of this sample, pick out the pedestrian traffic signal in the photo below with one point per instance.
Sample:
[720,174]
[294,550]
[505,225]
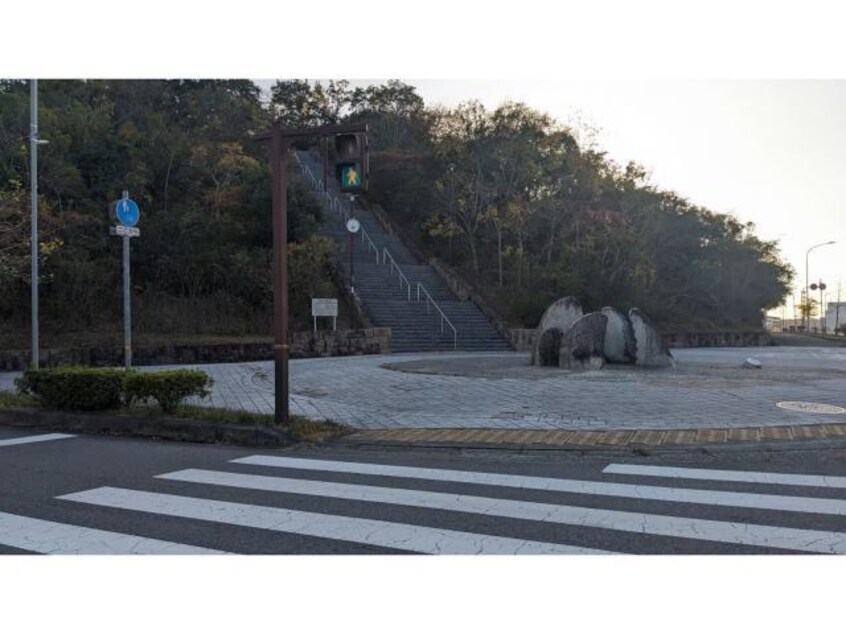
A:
[351,162]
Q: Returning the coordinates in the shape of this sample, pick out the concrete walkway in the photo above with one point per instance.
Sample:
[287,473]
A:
[501,391]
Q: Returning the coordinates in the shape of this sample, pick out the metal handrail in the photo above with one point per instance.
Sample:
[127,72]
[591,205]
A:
[372,245]
[444,318]
[394,265]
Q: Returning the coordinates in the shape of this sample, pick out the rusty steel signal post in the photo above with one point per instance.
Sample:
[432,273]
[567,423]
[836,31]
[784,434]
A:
[280,142]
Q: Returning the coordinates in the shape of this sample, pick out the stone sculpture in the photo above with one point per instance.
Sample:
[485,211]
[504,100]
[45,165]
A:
[582,344]
[650,349]
[561,314]
[619,345]
[567,338]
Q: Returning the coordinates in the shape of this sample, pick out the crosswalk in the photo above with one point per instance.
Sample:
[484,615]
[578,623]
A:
[25,440]
[273,503]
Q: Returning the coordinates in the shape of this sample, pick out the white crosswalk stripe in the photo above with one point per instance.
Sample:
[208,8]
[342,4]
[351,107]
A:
[41,536]
[25,440]
[497,520]
[709,530]
[584,487]
[751,477]
[386,534]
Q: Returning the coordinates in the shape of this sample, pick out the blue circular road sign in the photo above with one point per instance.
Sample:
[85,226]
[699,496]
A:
[127,212]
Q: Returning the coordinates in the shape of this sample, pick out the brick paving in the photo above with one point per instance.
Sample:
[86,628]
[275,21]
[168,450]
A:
[360,392]
[665,407]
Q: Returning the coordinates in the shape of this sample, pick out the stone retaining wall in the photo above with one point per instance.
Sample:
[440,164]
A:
[303,345]
[522,339]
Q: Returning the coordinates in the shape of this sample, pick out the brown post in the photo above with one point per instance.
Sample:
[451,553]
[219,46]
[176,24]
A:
[279,160]
[280,140]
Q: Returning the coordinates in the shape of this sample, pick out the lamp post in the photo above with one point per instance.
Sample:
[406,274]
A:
[806,314]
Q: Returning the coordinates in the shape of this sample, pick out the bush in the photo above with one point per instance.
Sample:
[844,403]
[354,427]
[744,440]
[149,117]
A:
[74,388]
[167,387]
[81,388]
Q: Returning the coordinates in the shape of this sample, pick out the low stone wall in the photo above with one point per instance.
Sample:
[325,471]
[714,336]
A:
[523,339]
[718,339]
[303,345]
[343,343]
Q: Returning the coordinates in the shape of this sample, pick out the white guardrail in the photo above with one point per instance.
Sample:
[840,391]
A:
[337,205]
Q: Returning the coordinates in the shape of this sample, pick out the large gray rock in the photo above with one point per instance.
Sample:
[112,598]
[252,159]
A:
[651,350]
[548,347]
[561,314]
[582,345]
[619,346]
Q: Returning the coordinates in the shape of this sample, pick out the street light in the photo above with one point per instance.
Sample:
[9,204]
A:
[807,295]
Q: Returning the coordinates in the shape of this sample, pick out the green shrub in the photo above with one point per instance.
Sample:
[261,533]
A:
[167,387]
[74,388]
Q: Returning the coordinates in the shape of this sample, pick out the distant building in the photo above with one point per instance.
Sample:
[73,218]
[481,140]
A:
[835,315]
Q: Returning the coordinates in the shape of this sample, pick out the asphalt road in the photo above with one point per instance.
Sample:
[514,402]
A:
[89,494]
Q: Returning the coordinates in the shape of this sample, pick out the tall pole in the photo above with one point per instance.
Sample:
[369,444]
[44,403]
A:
[807,302]
[279,160]
[33,175]
[822,308]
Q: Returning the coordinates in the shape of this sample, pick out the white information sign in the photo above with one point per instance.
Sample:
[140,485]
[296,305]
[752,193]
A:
[132,232]
[324,307]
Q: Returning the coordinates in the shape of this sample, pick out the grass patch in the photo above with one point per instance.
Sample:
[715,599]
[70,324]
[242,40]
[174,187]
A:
[11,400]
[305,430]
[300,429]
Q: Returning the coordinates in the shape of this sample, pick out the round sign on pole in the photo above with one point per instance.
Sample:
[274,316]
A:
[127,212]
[353,225]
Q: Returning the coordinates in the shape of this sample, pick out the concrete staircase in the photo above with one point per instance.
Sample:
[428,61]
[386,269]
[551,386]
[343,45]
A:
[397,290]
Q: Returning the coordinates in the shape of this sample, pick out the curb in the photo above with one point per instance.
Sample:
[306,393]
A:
[164,428]
[559,439]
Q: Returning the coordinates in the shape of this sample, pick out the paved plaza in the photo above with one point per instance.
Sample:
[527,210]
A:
[707,388]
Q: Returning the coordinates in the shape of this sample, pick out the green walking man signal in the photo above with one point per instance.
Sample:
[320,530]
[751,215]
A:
[350,176]
[351,162]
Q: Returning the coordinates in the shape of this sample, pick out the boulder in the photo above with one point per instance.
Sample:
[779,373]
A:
[619,346]
[650,350]
[561,314]
[582,344]
[752,362]
[548,346]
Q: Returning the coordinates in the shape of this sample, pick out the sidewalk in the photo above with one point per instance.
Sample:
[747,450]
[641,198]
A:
[470,391]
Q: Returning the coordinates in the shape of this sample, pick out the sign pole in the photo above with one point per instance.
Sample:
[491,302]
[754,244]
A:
[127,303]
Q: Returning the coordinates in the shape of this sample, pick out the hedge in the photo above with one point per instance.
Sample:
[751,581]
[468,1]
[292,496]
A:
[82,388]
[167,387]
